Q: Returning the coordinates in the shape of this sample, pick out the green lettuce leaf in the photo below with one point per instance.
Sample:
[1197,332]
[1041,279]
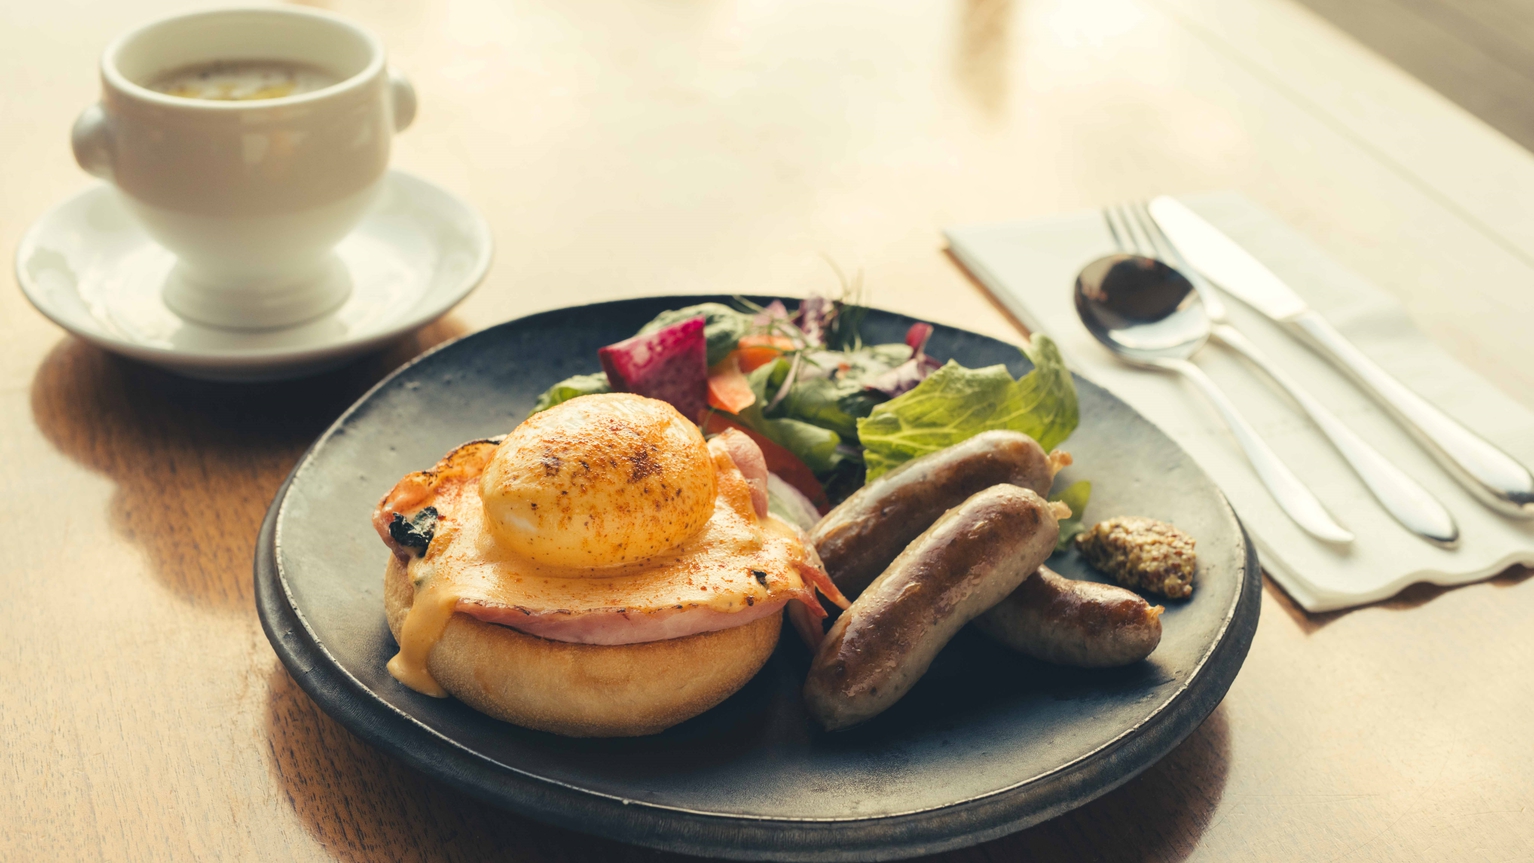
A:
[829,391]
[956,403]
[722,326]
[569,388]
[820,402]
[814,445]
[1076,495]
[765,380]
[870,361]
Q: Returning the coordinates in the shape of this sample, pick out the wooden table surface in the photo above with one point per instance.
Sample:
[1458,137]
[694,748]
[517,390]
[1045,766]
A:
[620,147]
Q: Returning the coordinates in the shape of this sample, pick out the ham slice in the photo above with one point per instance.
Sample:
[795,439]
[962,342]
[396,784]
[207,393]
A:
[749,460]
[780,461]
[623,626]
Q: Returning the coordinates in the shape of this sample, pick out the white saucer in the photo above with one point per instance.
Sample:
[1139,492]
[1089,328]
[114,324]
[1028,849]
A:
[89,267]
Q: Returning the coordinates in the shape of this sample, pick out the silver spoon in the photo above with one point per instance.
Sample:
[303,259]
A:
[1400,495]
[1150,315]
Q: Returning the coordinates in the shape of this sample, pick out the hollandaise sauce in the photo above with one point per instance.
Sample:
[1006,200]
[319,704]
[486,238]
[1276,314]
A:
[734,569]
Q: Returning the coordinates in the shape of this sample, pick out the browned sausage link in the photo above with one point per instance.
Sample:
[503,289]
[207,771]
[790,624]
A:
[975,554]
[1079,623]
[859,538]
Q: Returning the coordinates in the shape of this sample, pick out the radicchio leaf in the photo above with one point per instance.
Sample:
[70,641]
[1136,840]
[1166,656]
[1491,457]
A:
[916,337]
[815,314]
[772,313]
[903,378]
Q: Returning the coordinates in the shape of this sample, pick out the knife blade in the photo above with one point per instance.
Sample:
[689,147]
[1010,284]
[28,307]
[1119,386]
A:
[1491,474]
[1223,262]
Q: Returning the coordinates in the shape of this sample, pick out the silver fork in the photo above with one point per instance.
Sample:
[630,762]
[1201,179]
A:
[1408,502]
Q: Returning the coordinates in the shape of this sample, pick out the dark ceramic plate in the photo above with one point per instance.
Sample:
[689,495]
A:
[987,743]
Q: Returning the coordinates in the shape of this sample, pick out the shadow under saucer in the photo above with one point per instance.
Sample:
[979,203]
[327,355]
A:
[196,463]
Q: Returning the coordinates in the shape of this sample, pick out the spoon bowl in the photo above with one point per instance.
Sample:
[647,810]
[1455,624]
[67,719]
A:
[1142,309]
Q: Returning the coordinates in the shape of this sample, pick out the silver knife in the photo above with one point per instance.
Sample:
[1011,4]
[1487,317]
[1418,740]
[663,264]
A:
[1493,475]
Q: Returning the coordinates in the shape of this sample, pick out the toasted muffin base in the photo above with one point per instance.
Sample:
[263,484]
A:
[585,690]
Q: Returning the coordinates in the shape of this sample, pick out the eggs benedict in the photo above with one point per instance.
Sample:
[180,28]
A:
[600,571]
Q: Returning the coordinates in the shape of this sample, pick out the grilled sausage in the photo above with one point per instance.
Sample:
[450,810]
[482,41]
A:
[859,538]
[1079,623]
[975,554]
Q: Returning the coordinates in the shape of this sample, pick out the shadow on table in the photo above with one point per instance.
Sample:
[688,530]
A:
[1413,596]
[195,463]
[361,805]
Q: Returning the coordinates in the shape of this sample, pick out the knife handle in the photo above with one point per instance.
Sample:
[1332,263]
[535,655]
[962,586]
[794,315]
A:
[1495,477]
[1411,504]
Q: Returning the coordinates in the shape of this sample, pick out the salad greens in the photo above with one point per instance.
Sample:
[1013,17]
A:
[955,403]
[816,444]
[829,388]
[569,388]
[1074,496]
[787,503]
[849,411]
[722,326]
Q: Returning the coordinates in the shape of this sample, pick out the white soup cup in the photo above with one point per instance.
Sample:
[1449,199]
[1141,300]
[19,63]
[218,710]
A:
[251,196]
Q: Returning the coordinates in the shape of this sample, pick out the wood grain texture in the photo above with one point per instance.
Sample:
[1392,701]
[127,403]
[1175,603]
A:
[1476,52]
[647,146]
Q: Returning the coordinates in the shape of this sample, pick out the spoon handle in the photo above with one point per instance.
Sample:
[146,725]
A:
[1411,504]
[1291,494]
[1496,477]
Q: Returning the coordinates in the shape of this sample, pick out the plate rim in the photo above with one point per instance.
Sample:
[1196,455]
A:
[885,836]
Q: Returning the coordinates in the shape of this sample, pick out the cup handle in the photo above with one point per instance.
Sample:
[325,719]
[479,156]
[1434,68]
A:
[92,142]
[404,99]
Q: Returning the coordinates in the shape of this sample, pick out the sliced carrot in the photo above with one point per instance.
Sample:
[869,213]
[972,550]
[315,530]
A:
[751,359]
[754,352]
[780,460]
[728,389]
[782,343]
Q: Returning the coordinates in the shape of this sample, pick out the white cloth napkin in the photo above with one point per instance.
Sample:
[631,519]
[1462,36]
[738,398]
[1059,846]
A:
[1031,266]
